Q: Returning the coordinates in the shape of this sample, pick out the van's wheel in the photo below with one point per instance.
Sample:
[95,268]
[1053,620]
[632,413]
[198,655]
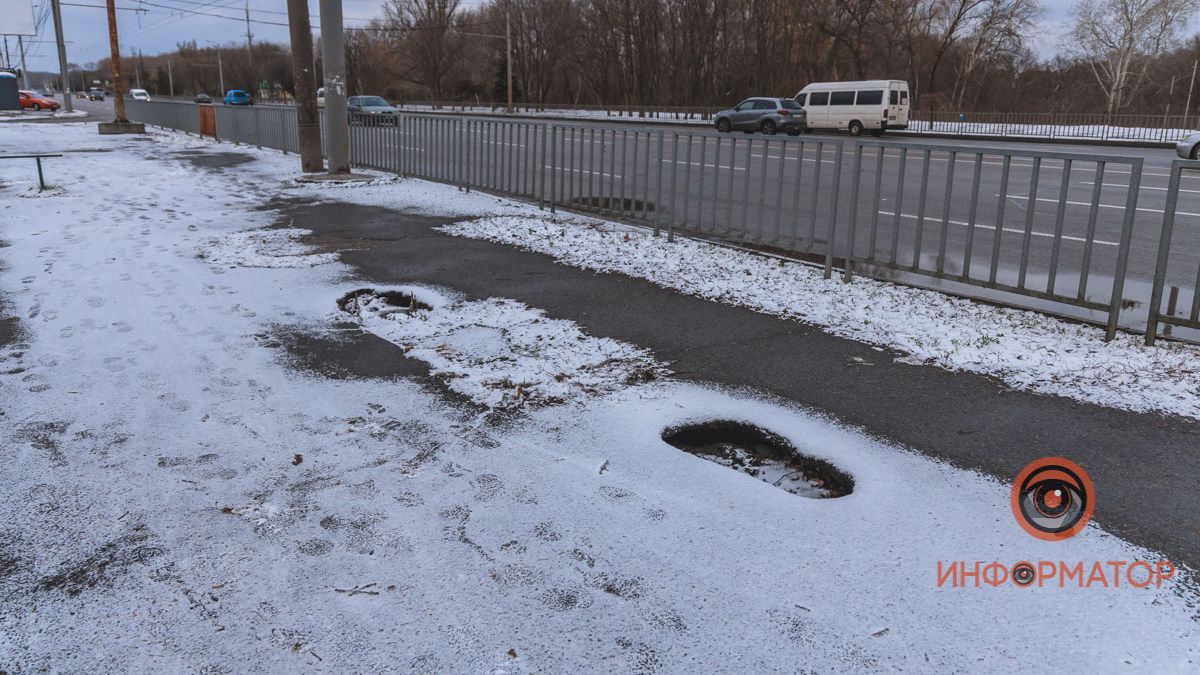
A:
[723,125]
[794,132]
[856,128]
[768,128]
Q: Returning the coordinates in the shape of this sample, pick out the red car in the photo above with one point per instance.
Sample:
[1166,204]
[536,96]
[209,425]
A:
[31,99]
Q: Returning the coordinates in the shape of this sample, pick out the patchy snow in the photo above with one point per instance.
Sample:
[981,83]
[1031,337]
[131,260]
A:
[263,248]
[180,495]
[1024,349]
[502,353]
[74,113]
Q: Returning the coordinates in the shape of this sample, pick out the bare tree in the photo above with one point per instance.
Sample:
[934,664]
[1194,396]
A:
[426,38]
[1119,38]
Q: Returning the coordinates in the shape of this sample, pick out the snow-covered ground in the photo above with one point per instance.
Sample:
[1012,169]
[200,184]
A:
[1025,349]
[183,494]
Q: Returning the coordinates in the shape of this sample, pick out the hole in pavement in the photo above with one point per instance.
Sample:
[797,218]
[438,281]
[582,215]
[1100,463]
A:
[762,454]
[381,303]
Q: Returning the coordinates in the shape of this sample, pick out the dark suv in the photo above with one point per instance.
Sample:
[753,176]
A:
[768,115]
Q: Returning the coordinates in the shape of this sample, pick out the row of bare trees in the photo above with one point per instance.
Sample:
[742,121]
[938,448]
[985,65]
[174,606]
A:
[963,55]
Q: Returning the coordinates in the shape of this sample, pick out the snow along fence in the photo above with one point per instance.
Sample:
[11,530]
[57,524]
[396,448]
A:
[1162,129]
[1018,227]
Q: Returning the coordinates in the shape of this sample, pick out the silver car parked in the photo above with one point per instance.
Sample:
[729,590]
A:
[768,115]
[1189,147]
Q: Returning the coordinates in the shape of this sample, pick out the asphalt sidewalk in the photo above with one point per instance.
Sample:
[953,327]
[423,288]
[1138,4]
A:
[1145,467]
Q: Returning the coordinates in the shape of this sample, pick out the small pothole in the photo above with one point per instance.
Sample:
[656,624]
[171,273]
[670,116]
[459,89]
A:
[380,303]
[762,454]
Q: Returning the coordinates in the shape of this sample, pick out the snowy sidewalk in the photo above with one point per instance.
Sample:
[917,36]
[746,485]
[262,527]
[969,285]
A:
[185,489]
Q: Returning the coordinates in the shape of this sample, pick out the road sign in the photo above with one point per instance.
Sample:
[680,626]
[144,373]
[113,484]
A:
[18,17]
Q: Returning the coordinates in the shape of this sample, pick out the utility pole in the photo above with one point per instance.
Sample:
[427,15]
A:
[7,58]
[220,72]
[24,71]
[508,50]
[304,71]
[115,49]
[62,56]
[333,52]
[138,71]
[250,48]
[1187,108]
[120,125]
[170,77]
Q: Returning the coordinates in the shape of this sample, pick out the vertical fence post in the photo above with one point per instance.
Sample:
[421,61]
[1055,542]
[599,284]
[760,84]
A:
[1131,200]
[833,207]
[658,202]
[1164,252]
[848,272]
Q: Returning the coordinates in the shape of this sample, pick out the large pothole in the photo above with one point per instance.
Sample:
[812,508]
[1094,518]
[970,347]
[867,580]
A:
[380,303]
[762,454]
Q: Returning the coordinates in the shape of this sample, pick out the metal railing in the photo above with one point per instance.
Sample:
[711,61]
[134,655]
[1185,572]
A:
[1023,228]
[1156,314]
[1000,219]
[1149,128]
[171,114]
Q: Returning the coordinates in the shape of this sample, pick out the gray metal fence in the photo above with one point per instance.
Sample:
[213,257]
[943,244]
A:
[170,114]
[1169,317]
[1000,219]
[1017,227]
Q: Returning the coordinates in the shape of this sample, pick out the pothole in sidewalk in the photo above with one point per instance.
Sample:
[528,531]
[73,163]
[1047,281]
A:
[762,454]
[383,304]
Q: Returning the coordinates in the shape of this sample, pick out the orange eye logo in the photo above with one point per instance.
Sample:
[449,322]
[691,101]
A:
[1053,498]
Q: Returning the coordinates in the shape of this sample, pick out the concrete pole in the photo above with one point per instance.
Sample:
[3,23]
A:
[333,53]
[304,71]
[220,73]
[63,69]
[115,48]
[24,71]
[170,78]
[138,70]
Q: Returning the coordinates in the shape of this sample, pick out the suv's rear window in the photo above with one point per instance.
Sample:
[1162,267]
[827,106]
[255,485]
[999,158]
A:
[789,104]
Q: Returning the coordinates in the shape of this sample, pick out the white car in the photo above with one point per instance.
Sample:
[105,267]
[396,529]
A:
[321,97]
[139,94]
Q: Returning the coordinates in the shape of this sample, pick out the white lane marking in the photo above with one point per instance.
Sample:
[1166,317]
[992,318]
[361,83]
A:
[1144,187]
[1104,206]
[1050,235]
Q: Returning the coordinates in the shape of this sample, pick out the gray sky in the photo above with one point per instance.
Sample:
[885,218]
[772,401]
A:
[158,29]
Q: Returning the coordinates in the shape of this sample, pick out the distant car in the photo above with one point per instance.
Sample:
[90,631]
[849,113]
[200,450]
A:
[34,101]
[81,94]
[203,98]
[95,95]
[238,97]
[139,94]
[768,115]
[371,110]
[321,97]
[1189,147]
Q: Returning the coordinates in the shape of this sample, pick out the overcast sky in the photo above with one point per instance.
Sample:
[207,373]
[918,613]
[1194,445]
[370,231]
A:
[157,29]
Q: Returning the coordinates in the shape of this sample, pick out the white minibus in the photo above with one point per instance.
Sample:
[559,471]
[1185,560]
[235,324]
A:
[866,105]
